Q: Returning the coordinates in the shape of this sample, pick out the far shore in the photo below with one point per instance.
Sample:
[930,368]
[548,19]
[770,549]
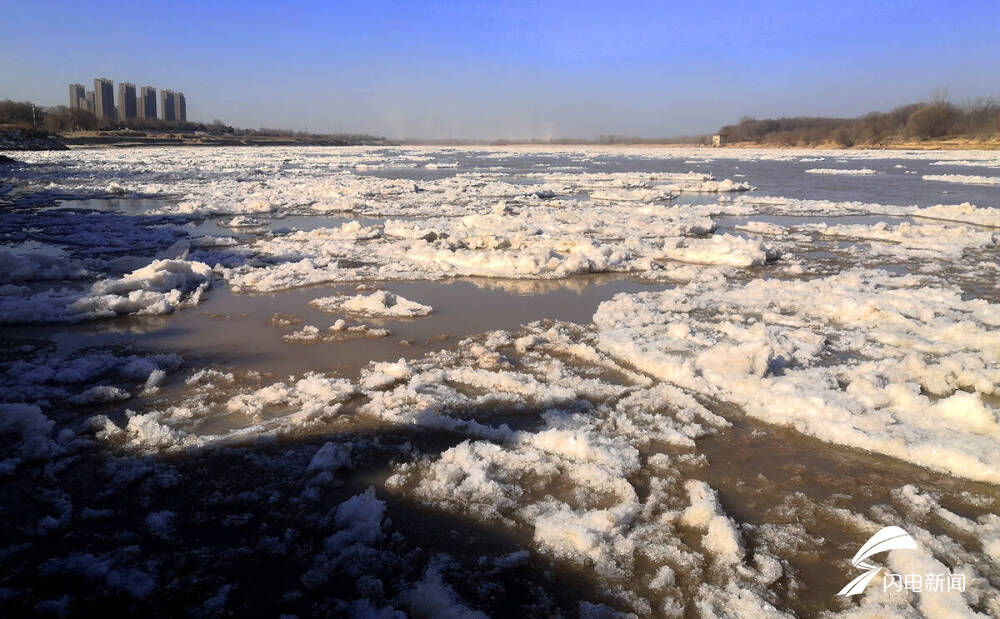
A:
[139,139]
[127,139]
[953,144]
[264,141]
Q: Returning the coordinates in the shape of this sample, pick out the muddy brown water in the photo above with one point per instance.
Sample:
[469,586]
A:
[756,468]
[239,329]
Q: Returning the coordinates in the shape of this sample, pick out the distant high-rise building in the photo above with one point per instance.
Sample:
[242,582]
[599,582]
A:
[77,97]
[147,103]
[131,104]
[126,101]
[167,105]
[180,106]
[104,99]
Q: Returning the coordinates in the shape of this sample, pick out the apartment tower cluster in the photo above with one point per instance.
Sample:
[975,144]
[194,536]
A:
[101,102]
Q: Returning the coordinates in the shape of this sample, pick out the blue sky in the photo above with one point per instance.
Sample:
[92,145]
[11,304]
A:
[508,69]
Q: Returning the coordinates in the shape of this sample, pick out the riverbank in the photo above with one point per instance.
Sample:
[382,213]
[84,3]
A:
[127,138]
[28,140]
[19,139]
[946,144]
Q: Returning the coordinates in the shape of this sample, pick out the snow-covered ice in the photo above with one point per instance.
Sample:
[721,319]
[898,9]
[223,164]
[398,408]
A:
[771,345]
[963,178]
[158,288]
[378,303]
[843,171]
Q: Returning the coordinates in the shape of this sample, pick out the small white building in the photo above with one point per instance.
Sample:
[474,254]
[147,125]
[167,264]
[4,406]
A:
[717,140]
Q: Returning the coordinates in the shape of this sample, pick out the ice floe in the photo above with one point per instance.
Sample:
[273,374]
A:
[771,347]
[843,171]
[722,249]
[378,303]
[158,288]
[963,178]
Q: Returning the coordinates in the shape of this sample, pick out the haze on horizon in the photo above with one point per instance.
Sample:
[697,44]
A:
[510,70]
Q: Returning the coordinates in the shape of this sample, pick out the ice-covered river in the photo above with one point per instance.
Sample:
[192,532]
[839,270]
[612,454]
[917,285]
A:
[463,382]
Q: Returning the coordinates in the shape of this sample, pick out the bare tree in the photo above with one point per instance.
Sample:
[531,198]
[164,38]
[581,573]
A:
[932,121]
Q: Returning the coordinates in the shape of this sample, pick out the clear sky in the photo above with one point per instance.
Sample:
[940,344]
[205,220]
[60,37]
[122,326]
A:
[507,68]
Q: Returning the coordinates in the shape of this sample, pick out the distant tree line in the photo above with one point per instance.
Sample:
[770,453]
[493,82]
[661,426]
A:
[318,138]
[678,139]
[20,113]
[976,119]
[37,120]
[27,116]
[557,141]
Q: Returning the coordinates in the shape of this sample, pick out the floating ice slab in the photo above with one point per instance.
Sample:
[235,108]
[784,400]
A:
[378,303]
[963,178]
[843,171]
[772,347]
[159,288]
